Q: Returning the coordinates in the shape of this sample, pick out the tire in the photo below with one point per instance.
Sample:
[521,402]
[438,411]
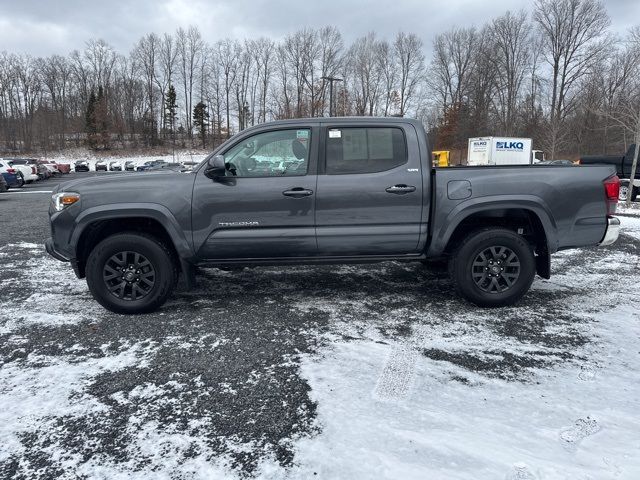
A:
[493,267]
[154,264]
[624,190]
[634,193]
[20,183]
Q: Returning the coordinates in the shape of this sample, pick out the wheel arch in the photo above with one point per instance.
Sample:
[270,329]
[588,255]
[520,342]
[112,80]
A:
[531,216]
[94,225]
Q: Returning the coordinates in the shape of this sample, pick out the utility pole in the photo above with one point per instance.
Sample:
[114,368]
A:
[331,80]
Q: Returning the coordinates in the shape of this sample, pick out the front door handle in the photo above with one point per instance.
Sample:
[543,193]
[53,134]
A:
[401,189]
[297,192]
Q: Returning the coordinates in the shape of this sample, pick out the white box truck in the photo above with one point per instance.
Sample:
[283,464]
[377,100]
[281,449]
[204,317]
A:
[499,151]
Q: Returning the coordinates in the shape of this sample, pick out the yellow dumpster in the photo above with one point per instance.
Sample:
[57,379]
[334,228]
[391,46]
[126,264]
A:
[440,158]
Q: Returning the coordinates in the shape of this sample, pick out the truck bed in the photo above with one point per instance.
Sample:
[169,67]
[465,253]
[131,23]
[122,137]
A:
[569,201]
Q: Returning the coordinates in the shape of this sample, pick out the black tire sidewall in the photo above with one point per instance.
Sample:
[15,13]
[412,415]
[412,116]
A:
[468,251]
[153,250]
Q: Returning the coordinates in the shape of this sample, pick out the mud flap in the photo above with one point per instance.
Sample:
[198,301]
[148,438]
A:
[188,274]
[543,264]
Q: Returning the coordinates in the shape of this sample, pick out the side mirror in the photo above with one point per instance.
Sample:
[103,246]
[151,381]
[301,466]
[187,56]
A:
[215,167]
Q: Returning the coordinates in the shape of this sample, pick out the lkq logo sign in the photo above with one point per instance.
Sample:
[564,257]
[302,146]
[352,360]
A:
[512,146]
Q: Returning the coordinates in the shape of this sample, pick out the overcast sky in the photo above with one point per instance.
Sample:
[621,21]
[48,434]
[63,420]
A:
[44,27]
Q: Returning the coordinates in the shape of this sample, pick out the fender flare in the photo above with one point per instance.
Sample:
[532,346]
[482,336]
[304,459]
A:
[472,206]
[153,211]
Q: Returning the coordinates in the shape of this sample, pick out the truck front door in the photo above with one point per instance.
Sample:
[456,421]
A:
[264,207]
[370,190]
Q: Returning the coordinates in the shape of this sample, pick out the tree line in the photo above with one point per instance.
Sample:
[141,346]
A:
[557,74]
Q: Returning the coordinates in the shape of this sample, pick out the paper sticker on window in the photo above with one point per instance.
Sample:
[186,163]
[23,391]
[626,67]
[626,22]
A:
[335,134]
[302,134]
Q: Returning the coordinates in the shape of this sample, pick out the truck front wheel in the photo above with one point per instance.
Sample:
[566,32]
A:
[493,267]
[131,273]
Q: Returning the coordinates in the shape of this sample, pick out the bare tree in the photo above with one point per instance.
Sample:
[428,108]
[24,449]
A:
[228,62]
[366,77]
[511,39]
[389,74]
[454,56]
[574,37]
[408,49]
[190,48]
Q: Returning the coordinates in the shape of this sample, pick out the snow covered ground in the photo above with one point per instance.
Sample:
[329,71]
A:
[324,372]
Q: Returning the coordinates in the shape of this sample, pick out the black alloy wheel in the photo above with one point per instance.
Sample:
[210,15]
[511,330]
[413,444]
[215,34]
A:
[131,272]
[129,275]
[495,269]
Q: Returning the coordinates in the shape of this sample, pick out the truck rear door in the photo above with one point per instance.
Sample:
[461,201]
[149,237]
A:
[370,189]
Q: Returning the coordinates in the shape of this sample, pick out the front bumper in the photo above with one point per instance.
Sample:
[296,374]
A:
[612,232]
[48,245]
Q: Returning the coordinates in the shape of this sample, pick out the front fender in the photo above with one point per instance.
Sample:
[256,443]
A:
[440,236]
[147,210]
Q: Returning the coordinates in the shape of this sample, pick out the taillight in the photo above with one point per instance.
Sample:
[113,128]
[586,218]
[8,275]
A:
[34,171]
[11,170]
[612,192]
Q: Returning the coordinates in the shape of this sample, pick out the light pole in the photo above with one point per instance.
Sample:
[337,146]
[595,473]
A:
[331,80]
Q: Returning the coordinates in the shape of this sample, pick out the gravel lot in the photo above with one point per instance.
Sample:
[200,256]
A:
[318,372]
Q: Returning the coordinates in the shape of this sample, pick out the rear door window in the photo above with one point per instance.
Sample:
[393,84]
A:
[364,150]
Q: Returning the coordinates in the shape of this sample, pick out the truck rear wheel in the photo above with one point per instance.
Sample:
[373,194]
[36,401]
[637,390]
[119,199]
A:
[493,267]
[131,273]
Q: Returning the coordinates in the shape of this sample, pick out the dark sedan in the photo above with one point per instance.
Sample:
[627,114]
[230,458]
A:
[151,164]
[81,166]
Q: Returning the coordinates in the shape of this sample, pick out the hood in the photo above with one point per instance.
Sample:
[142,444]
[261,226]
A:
[119,181]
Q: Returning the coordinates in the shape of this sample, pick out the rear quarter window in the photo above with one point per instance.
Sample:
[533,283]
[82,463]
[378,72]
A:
[364,150]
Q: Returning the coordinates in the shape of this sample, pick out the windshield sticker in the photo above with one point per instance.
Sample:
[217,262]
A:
[302,134]
[335,134]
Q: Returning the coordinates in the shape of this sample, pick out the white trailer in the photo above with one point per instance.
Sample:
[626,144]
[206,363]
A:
[499,151]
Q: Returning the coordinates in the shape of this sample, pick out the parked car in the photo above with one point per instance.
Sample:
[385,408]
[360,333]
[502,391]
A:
[81,166]
[41,170]
[52,167]
[101,165]
[29,171]
[129,166]
[3,184]
[365,191]
[166,165]
[12,176]
[189,165]
[115,166]
[149,164]
[63,167]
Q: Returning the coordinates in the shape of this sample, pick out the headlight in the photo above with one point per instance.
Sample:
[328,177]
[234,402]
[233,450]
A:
[64,199]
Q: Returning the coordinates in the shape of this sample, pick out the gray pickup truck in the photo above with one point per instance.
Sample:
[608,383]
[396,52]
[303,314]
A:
[328,190]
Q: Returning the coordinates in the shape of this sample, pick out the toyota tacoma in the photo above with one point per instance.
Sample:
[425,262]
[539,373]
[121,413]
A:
[328,190]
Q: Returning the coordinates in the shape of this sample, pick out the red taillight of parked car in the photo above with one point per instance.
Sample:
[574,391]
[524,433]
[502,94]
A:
[11,170]
[612,192]
[34,170]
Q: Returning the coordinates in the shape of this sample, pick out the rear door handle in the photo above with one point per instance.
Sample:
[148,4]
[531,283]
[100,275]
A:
[297,192]
[401,189]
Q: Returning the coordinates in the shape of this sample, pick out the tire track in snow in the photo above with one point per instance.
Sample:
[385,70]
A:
[397,375]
